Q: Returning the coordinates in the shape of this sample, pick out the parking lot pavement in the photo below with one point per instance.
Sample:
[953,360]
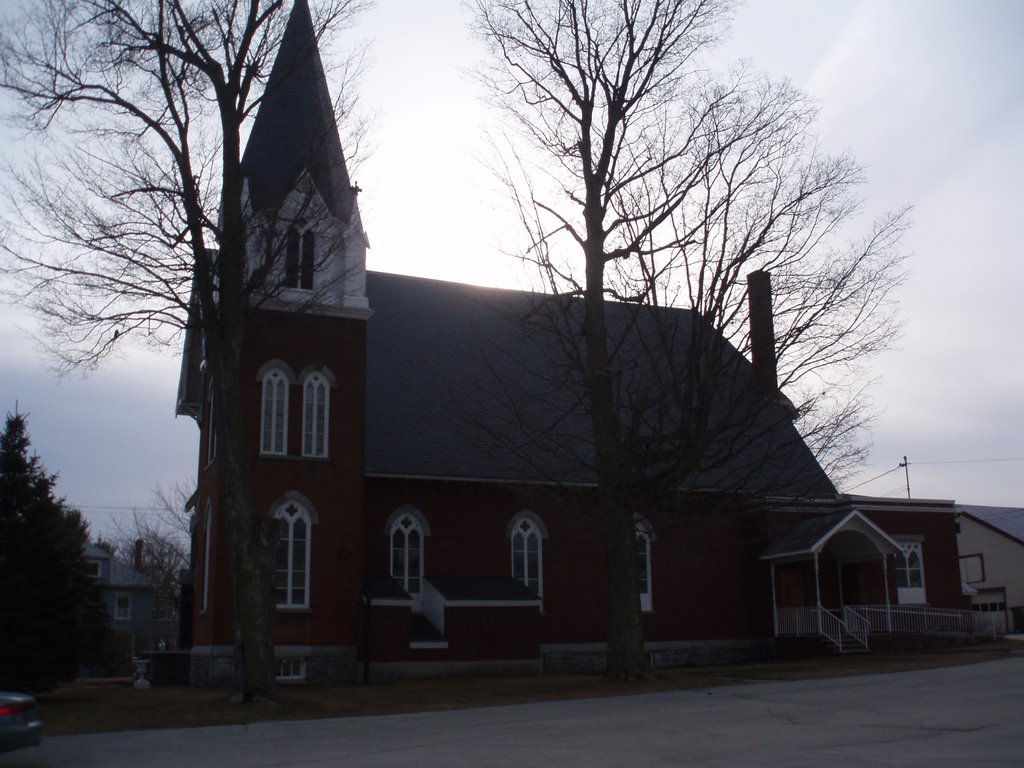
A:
[942,717]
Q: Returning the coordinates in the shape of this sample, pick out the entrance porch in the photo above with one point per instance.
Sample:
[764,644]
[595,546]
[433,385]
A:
[830,578]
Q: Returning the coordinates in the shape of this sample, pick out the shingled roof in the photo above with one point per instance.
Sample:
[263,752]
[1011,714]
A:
[295,129]
[459,387]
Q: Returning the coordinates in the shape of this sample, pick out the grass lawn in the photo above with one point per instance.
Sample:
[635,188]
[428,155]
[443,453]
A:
[90,708]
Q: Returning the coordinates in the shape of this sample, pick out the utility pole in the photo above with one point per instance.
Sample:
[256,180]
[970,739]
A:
[906,471]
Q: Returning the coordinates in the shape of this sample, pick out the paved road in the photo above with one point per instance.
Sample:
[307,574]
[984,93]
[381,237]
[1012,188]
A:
[971,715]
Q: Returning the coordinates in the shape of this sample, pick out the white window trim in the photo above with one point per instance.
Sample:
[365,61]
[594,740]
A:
[910,595]
[645,533]
[290,518]
[279,377]
[417,524]
[317,379]
[291,675]
[127,616]
[515,529]
[304,236]
[211,429]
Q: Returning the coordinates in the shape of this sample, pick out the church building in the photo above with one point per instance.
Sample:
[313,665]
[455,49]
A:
[423,532]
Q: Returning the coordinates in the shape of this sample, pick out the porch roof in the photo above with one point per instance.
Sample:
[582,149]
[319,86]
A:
[850,537]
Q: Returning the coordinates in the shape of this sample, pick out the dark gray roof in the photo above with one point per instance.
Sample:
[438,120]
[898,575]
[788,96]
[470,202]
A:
[123,576]
[295,129]
[1009,520]
[120,575]
[460,385]
[384,588]
[849,535]
[482,589]
[803,535]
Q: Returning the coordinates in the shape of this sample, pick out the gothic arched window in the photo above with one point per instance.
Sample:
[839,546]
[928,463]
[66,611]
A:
[644,536]
[291,565]
[527,552]
[274,430]
[316,394]
[299,259]
[407,552]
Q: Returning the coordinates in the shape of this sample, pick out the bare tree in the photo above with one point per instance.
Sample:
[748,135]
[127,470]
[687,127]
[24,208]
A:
[645,184]
[132,221]
[156,541]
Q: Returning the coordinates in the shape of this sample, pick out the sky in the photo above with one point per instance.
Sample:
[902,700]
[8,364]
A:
[928,94]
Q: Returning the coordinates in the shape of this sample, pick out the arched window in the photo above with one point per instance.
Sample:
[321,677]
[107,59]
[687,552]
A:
[910,586]
[406,537]
[315,411]
[299,259]
[291,568]
[306,267]
[275,413]
[644,537]
[211,429]
[527,538]
[207,530]
[291,259]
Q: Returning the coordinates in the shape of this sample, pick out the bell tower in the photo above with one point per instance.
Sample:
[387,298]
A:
[304,380]
[306,232]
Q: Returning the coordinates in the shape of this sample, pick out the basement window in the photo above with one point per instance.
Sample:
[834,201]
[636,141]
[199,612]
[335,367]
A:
[291,668]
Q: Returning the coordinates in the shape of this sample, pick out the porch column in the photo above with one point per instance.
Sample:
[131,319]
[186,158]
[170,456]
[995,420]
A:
[817,590]
[888,608]
[775,605]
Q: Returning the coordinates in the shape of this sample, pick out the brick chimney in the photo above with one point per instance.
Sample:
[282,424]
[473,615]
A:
[762,333]
[138,554]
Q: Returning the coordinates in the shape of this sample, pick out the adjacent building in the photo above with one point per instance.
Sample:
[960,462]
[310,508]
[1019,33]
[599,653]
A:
[992,562]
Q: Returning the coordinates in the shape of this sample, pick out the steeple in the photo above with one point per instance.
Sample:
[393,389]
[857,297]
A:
[295,130]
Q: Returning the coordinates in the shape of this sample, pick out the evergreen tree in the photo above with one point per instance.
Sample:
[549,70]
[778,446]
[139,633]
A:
[52,617]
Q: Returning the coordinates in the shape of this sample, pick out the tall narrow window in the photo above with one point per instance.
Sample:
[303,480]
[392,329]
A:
[275,413]
[643,565]
[291,575]
[407,553]
[291,259]
[207,531]
[308,254]
[315,410]
[527,548]
[211,428]
[910,573]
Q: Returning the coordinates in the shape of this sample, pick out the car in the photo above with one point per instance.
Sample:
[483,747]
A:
[19,724]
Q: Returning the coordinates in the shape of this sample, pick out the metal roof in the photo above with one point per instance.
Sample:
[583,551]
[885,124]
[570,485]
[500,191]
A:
[461,385]
[849,535]
[295,129]
[1008,520]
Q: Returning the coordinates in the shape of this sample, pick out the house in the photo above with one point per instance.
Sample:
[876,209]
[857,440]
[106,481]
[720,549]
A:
[138,623]
[430,469]
[991,541]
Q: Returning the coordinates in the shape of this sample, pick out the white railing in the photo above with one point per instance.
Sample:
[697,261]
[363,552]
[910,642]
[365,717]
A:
[832,628]
[842,630]
[798,621]
[857,624]
[860,620]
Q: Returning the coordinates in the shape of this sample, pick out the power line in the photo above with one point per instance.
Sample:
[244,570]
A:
[968,461]
[876,477]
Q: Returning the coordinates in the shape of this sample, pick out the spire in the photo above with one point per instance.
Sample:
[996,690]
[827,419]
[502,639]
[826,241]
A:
[295,128]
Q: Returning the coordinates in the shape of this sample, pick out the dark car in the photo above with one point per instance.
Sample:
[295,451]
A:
[19,724]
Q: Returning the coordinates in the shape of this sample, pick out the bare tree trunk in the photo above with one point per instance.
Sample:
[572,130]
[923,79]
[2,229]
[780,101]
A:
[627,659]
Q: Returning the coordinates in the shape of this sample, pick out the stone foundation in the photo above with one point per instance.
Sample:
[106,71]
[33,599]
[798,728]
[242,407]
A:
[590,658]
[213,666]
